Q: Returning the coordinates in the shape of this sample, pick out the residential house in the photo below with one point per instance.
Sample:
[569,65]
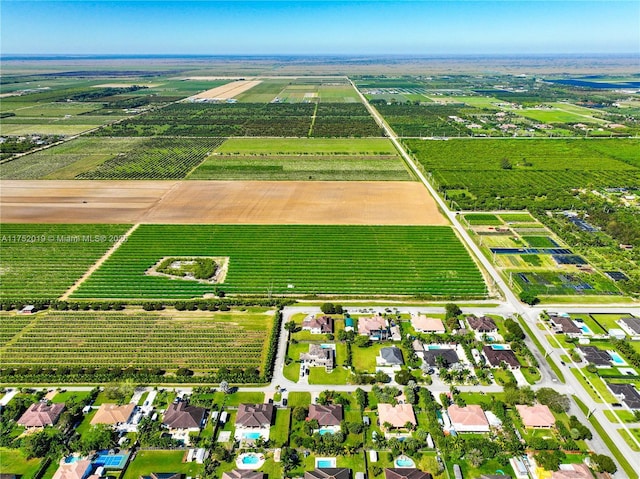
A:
[483,324]
[327,415]
[398,416]
[77,470]
[448,355]
[375,327]
[242,474]
[405,473]
[181,416]
[41,414]
[538,416]
[253,421]
[595,356]
[113,414]
[495,357]
[565,325]
[390,357]
[418,347]
[318,325]
[572,471]
[627,393]
[319,356]
[328,473]
[470,418]
[631,326]
[163,475]
[423,324]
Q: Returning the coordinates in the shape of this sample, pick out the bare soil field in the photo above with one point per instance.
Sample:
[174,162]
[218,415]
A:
[227,91]
[218,202]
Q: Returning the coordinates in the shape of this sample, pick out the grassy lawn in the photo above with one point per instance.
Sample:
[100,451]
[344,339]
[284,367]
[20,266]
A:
[364,359]
[502,377]
[620,416]
[627,438]
[147,462]
[600,386]
[85,424]
[319,375]
[102,398]
[351,146]
[65,396]
[355,463]
[280,431]
[532,375]
[587,387]
[608,321]
[238,398]
[299,399]
[12,461]
[270,467]
[489,467]
[542,350]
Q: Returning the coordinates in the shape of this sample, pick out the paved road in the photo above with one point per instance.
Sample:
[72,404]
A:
[527,313]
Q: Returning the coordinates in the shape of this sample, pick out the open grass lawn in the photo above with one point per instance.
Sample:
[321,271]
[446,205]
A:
[12,461]
[596,385]
[608,321]
[532,375]
[297,398]
[279,434]
[339,375]
[502,377]
[627,438]
[240,397]
[364,359]
[147,462]
[292,371]
[65,396]
[491,466]
[85,424]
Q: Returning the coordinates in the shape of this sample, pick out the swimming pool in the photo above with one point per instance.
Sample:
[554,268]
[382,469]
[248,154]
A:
[251,435]
[71,459]
[326,462]
[585,329]
[616,358]
[498,347]
[326,430]
[250,459]
[404,461]
[434,347]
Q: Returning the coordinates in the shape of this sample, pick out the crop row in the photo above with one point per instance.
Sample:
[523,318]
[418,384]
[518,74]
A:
[250,119]
[293,259]
[43,261]
[424,120]
[156,158]
[59,339]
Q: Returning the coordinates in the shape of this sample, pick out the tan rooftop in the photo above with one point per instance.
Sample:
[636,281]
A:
[536,416]
[422,323]
[397,415]
[113,414]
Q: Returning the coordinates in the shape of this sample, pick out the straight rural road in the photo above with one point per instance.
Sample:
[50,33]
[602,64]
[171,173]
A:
[530,315]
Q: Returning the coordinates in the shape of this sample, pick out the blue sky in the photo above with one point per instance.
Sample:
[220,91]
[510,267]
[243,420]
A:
[327,27]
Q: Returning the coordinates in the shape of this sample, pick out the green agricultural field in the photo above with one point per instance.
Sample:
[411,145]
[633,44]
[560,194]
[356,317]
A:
[475,219]
[200,341]
[304,159]
[67,160]
[557,115]
[293,259]
[156,158]
[430,120]
[517,218]
[305,167]
[264,92]
[307,146]
[540,242]
[63,252]
[540,172]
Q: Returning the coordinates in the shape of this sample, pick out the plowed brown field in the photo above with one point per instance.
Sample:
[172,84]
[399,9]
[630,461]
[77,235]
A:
[218,202]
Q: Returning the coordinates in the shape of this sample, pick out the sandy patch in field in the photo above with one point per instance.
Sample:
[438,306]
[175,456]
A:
[227,91]
[219,202]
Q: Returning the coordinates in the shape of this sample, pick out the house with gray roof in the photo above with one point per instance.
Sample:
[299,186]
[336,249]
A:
[328,473]
[627,393]
[595,356]
[391,357]
[449,357]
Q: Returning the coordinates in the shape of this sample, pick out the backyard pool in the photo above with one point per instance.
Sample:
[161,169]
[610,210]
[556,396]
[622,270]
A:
[585,329]
[325,462]
[499,347]
[71,459]
[250,460]
[252,435]
[404,461]
[326,430]
[616,358]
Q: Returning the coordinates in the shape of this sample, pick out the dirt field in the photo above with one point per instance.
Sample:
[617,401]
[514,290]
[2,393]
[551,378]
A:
[227,91]
[218,202]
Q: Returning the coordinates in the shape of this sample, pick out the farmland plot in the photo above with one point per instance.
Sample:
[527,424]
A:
[200,341]
[63,252]
[517,174]
[293,259]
